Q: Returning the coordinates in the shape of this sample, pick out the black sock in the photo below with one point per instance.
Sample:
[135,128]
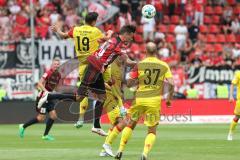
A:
[58,96]
[98,112]
[31,122]
[48,126]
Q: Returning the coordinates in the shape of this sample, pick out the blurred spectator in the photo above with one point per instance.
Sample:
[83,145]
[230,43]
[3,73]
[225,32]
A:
[192,93]
[182,6]
[13,7]
[181,35]
[72,19]
[199,11]
[4,21]
[185,52]
[227,15]
[148,28]
[189,12]
[193,31]
[135,8]
[159,9]
[236,50]
[235,26]
[171,4]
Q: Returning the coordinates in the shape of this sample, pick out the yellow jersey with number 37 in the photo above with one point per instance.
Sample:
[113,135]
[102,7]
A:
[151,73]
[85,40]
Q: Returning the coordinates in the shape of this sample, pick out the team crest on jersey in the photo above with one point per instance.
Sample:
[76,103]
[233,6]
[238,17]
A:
[3,60]
[24,53]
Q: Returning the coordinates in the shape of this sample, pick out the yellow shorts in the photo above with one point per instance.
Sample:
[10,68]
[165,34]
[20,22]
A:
[151,114]
[237,108]
[111,107]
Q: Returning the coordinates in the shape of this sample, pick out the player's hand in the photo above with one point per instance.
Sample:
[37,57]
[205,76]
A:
[231,99]
[168,103]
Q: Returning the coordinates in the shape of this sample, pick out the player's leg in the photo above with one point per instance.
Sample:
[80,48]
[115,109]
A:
[151,120]
[113,113]
[234,121]
[84,104]
[39,118]
[50,121]
[126,135]
[149,141]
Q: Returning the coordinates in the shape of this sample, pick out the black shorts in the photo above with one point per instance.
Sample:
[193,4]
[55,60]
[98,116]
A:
[92,81]
[46,107]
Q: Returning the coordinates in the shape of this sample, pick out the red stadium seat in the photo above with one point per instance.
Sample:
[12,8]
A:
[174,19]
[231,2]
[209,10]
[203,29]
[214,29]
[170,38]
[166,19]
[236,10]
[171,28]
[218,10]
[216,19]
[221,38]
[218,47]
[211,38]
[207,20]
[209,48]
[162,28]
[231,38]
[238,38]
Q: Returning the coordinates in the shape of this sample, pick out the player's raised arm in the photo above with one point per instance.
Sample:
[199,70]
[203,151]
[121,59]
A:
[57,29]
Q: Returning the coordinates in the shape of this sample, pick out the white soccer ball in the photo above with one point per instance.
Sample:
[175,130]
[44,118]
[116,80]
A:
[148,11]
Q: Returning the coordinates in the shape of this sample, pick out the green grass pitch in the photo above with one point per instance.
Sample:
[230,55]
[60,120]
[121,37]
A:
[174,142]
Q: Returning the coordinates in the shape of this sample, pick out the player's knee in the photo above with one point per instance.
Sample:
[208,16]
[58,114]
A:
[152,129]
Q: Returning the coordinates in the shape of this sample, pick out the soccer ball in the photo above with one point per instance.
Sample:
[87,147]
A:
[148,11]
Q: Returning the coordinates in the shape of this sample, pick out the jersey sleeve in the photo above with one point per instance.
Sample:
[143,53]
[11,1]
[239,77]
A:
[168,73]
[70,32]
[45,75]
[134,73]
[236,78]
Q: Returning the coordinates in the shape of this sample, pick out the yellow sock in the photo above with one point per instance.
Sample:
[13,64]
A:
[83,107]
[109,132]
[233,126]
[149,141]
[115,132]
[126,134]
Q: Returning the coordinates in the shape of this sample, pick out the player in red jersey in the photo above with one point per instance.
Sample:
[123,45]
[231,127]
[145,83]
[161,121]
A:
[92,83]
[47,83]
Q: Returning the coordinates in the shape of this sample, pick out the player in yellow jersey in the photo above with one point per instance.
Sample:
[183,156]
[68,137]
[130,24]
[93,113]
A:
[235,82]
[150,74]
[113,103]
[86,41]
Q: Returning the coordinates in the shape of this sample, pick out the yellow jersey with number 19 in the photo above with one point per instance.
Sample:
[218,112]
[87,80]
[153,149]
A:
[150,73]
[85,40]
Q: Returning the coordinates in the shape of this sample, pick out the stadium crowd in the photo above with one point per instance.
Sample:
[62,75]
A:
[187,32]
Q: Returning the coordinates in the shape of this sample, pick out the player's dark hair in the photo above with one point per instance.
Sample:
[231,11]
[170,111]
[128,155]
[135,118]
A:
[91,17]
[128,29]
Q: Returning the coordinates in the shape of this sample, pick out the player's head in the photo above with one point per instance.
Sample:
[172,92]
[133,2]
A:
[91,18]
[151,48]
[55,63]
[127,32]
